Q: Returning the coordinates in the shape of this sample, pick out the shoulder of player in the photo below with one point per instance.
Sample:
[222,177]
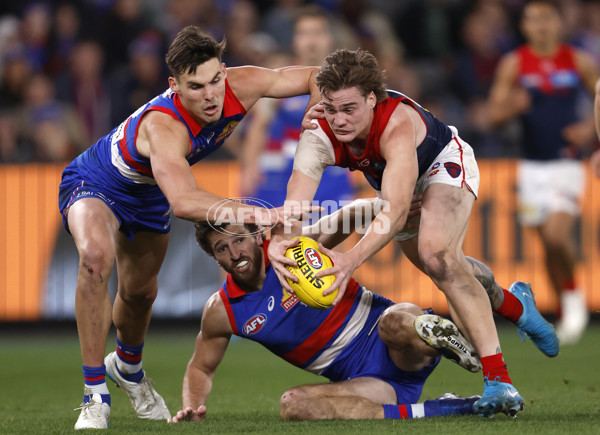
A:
[509,61]
[401,128]
[155,129]
[214,317]
[401,118]
[155,120]
[507,69]
[583,60]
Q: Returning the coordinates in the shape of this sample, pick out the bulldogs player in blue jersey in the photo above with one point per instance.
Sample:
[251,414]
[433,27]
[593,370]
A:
[540,83]
[333,343]
[117,199]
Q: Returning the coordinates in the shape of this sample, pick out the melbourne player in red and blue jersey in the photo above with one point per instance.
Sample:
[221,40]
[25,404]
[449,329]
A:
[117,198]
[367,346]
[404,150]
[542,83]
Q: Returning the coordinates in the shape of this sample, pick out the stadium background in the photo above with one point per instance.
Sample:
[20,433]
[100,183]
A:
[436,51]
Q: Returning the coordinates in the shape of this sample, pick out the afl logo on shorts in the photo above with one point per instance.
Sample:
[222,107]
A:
[255,324]
[453,169]
[313,258]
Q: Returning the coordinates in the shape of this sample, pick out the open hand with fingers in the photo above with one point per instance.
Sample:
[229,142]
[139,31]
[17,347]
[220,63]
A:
[315,112]
[189,414]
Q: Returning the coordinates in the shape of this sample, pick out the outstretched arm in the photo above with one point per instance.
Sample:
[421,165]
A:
[209,351]
[507,99]
[167,143]
[582,132]
[333,229]
[250,83]
[398,147]
[311,158]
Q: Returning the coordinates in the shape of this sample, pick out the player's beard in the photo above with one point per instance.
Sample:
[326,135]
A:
[249,277]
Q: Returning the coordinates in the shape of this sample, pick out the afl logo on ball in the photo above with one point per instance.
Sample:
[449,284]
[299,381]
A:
[313,258]
[254,324]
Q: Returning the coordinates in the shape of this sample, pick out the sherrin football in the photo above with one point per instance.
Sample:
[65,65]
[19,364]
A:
[309,289]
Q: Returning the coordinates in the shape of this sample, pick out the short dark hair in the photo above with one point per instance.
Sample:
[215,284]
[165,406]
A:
[190,48]
[203,229]
[345,69]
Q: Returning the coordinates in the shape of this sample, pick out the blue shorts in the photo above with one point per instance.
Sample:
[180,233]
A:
[408,385]
[368,356]
[140,208]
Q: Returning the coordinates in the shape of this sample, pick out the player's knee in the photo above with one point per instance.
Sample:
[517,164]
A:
[96,262]
[293,403]
[396,320]
[439,265]
[139,295]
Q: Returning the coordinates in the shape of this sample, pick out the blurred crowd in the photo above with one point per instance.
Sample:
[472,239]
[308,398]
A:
[71,70]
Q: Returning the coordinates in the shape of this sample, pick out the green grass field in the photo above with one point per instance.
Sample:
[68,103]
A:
[40,384]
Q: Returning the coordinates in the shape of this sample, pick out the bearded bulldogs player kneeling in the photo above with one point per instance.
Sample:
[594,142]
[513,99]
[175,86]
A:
[376,354]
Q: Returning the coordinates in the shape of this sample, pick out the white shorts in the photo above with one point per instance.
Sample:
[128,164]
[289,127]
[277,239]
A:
[455,165]
[548,187]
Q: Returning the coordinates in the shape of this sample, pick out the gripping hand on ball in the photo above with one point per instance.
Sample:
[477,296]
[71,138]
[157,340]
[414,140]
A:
[343,268]
[276,253]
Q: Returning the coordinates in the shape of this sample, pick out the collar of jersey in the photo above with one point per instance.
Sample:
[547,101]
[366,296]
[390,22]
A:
[191,122]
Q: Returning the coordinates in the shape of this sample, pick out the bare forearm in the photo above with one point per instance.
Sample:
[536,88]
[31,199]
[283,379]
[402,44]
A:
[382,230]
[500,114]
[333,229]
[202,206]
[197,385]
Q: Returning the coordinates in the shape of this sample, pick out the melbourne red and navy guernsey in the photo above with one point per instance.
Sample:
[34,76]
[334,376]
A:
[332,342]
[554,85]
[371,162]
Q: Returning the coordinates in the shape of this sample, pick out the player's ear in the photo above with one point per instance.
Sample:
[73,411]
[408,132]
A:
[223,70]
[371,100]
[259,238]
[173,84]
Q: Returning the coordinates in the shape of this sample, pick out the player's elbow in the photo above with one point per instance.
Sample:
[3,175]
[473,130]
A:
[181,208]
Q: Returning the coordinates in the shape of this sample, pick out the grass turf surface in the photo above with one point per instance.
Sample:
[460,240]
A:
[40,384]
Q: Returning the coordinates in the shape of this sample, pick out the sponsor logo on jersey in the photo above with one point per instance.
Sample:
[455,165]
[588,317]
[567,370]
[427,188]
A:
[288,300]
[313,258]
[227,130]
[255,324]
[436,165]
[453,169]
